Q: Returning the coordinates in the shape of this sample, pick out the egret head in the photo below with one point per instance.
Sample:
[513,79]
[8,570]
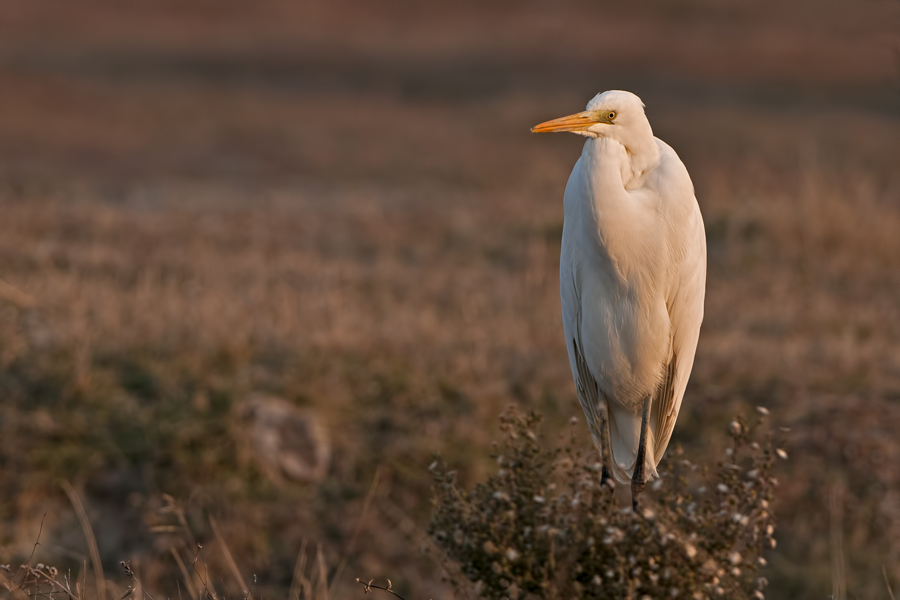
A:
[618,116]
[614,114]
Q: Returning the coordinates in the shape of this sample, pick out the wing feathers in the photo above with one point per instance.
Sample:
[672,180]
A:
[665,410]
[588,396]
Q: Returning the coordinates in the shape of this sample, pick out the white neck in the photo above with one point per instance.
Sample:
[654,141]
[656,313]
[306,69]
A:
[622,221]
[643,156]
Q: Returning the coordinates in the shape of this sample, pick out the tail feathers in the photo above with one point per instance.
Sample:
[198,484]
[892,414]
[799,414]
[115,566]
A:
[625,436]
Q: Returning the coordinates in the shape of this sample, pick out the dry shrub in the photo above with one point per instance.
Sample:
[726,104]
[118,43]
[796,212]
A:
[543,526]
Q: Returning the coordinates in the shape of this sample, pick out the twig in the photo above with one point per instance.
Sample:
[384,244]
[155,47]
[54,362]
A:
[369,586]
[38,540]
[63,589]
[89,534]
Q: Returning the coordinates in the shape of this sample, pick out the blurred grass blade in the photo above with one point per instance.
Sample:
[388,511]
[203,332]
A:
[12,588]
[192,590]
[89,535]
[356,531]
[299,581]
[838,575]
[322,579]
[15,296]
[229,559]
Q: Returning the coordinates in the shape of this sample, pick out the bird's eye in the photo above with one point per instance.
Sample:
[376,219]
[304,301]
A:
[611,115]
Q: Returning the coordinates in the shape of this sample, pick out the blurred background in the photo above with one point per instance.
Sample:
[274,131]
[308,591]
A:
[257,256]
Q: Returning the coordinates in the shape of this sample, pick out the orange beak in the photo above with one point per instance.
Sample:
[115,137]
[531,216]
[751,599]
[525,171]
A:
[577,122]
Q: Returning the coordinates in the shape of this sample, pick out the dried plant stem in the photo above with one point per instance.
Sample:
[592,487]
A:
[60,588]
[16,590]
[38,540]
[89,535]
[182,520]
[229,559]
[208,590]
[408,526]
[15,296]
[82,576]
[136,587]
[356,531]
[887,582]
[322,579]
[188,581]
[299,579]
[838,575]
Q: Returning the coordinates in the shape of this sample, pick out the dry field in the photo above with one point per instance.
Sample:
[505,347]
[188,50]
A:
[340,204]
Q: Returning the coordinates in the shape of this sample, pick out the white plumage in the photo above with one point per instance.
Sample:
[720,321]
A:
[632,281]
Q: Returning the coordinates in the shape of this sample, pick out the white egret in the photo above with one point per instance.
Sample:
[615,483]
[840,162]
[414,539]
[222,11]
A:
[632,278]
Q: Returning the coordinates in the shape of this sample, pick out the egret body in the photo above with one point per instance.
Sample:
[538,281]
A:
[632,279]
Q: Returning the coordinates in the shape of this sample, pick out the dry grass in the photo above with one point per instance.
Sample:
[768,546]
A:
[189,217]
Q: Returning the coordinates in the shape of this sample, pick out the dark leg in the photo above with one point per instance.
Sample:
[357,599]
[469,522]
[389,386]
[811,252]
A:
[605,451]
[637,478]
